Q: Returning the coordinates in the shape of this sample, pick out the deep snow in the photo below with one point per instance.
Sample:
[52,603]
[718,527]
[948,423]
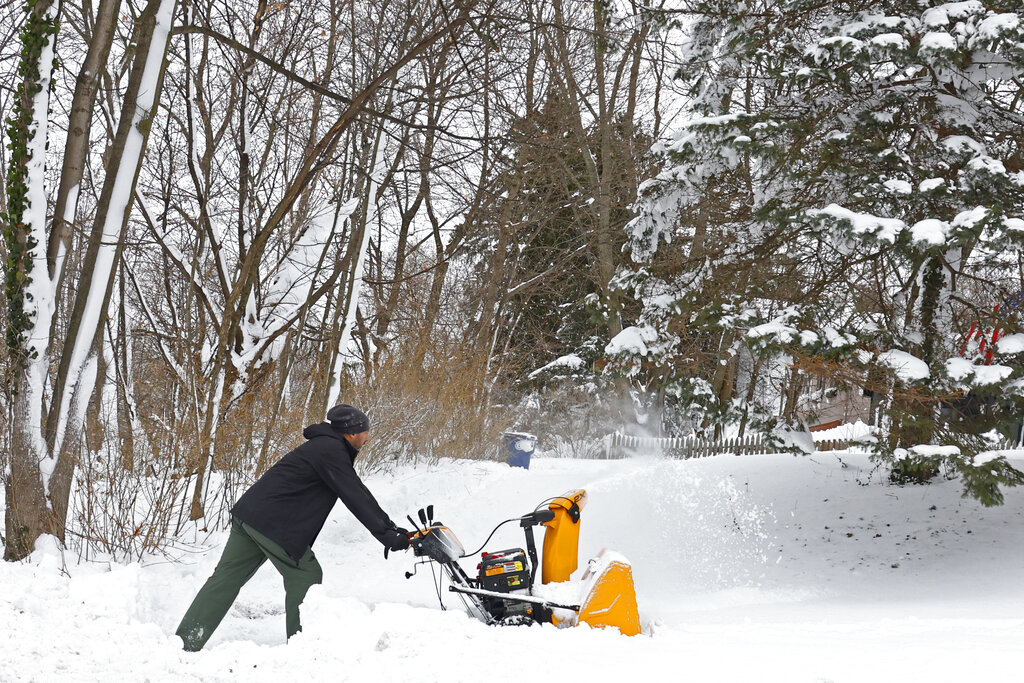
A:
[756,568]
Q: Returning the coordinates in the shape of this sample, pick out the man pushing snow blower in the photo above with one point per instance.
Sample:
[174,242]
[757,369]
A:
[280,516]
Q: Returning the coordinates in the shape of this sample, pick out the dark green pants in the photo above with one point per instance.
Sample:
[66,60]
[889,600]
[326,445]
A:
[244,552]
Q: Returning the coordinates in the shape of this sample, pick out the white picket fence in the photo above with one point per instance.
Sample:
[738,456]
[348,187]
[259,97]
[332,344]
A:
[618,445]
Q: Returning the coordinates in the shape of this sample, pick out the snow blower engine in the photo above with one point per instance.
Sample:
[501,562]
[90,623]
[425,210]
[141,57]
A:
[503,589]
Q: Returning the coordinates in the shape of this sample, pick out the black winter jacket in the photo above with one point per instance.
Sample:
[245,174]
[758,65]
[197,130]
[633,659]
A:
[291,501]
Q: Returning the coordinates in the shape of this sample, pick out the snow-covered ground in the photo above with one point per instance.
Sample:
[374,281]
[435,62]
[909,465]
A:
[753,569]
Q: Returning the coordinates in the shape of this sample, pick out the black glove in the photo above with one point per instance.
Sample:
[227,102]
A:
[395,539]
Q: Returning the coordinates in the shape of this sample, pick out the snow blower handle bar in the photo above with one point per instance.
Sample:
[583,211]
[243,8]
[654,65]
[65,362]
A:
[436,542]
[536,517]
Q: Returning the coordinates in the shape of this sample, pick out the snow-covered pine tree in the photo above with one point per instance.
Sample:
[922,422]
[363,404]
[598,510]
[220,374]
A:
[846,198]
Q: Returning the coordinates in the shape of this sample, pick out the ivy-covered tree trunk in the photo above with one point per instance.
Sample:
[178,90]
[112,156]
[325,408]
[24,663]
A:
[28,289]
[45,450]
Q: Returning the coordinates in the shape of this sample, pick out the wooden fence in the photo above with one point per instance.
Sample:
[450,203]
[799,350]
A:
[618,445]
[1009,445]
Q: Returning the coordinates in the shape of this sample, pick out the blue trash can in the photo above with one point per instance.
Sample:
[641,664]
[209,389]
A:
[519,446]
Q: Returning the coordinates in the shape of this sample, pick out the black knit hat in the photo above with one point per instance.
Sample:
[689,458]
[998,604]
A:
[348,420]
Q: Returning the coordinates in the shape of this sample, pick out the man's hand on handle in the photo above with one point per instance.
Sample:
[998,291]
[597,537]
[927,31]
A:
[396,539]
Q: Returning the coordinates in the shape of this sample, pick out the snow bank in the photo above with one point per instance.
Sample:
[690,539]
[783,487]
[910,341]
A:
[759,568]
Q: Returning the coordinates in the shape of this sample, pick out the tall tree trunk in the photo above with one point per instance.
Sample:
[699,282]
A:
[29,290]
[83,341]
[27,515]
[125,398]
[76,149]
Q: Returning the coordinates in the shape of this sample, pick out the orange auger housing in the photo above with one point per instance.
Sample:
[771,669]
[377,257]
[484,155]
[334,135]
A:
[608,597]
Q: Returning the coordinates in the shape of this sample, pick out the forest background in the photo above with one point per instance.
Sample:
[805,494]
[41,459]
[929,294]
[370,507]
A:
[709,217]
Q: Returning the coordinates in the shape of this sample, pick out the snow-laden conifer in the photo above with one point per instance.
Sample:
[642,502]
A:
[845,200]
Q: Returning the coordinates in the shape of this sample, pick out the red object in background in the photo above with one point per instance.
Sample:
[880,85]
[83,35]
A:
[985,344]
[987,341]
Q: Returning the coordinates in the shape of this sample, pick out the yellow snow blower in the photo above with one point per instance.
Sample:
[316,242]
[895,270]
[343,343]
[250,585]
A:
[502,592]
